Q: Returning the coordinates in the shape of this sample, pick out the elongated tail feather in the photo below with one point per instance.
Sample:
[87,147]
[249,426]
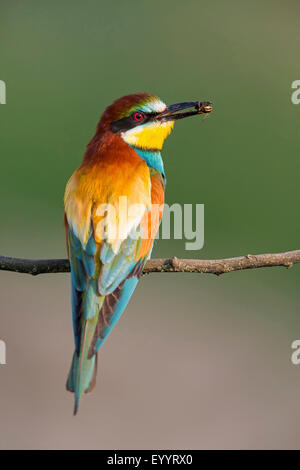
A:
[74,378]
[82,375]
[86,307]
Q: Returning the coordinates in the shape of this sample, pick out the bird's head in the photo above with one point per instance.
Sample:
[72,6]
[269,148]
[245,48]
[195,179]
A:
[144,121]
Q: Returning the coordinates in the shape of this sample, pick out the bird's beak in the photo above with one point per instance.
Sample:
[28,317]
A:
[173,112]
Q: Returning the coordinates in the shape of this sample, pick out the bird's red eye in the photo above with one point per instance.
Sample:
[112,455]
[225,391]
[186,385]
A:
[138,116]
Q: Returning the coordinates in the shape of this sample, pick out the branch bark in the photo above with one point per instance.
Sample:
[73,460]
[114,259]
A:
[163,265]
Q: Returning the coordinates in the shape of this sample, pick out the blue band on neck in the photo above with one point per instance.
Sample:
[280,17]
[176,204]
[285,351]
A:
[152,158]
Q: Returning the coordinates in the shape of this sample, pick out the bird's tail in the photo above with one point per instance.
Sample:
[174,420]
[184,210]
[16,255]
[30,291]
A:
[82,378]
[82,375]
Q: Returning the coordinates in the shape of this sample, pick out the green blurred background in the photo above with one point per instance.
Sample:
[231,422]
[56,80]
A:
[196,361]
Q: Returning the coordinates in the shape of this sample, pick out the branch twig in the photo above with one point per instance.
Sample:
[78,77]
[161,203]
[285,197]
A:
[161,265]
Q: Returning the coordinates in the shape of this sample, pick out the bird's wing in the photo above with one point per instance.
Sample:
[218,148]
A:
[122,266]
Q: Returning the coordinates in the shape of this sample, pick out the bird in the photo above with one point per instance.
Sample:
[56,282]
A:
[113,205]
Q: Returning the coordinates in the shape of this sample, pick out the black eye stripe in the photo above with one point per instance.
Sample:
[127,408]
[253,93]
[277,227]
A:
[129,122]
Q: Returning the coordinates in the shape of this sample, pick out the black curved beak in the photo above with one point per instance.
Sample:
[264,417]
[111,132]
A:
[173,112]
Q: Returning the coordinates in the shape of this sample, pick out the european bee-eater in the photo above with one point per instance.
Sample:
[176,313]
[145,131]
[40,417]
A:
[122,164]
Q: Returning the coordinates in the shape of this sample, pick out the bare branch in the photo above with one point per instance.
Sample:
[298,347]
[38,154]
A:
[34,266]
[161,265]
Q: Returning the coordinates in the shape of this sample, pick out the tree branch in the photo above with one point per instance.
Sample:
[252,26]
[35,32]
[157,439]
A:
[161,265]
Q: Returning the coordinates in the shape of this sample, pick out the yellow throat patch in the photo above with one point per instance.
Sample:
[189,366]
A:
[149,136]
